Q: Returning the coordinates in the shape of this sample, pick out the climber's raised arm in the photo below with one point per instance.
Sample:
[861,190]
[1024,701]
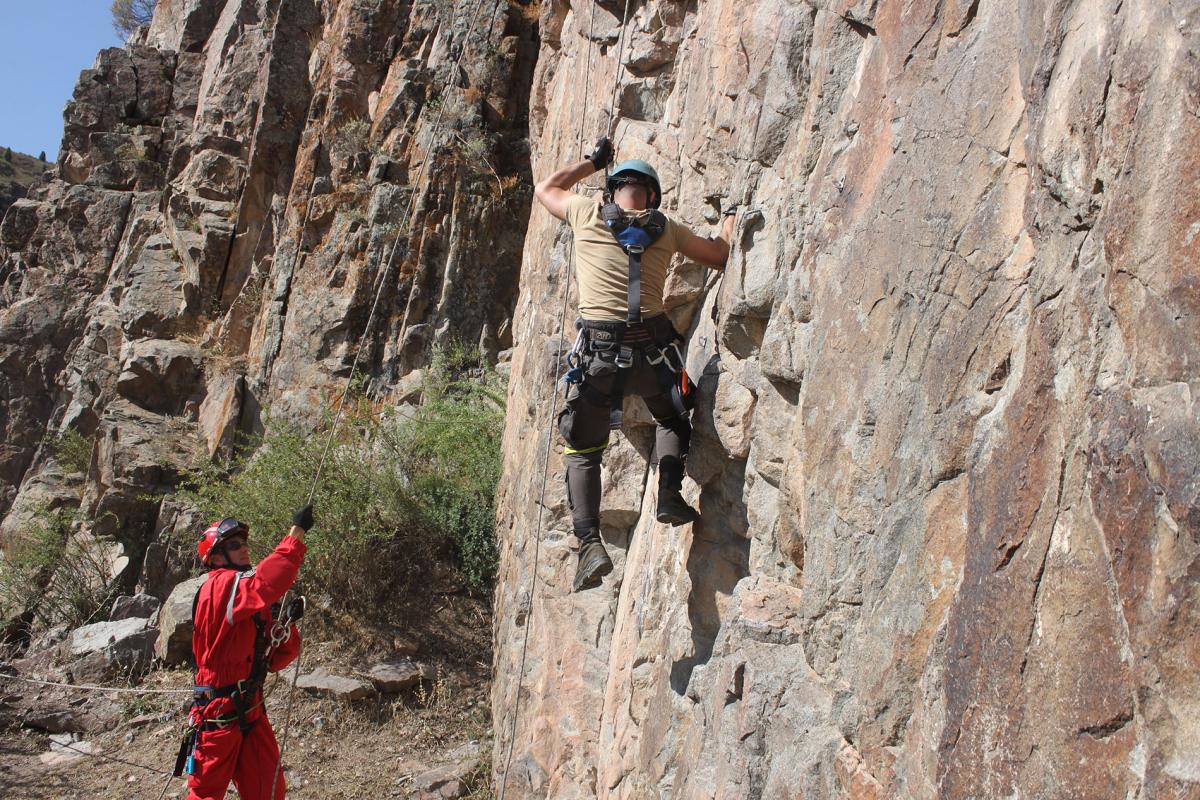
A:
[554,191]
[711,252]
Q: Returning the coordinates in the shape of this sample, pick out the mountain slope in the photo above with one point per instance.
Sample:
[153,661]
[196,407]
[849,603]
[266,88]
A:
[17,174]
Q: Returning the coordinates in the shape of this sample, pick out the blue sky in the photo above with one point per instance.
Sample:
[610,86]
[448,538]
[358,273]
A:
[43,47]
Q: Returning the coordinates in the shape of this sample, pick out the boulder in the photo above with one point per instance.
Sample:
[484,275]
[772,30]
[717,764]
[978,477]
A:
[442,783]
[102,647]
[142,606]
[70,713]
[220,412]
[450,780]
[175,623]
[65,748]
[56,720]
[159,374]
[396,676]
[171,558]
[326,684]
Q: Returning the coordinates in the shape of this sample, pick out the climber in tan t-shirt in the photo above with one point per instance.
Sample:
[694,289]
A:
[623,248]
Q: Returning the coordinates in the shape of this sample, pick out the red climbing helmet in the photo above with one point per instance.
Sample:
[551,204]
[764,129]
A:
[217,533]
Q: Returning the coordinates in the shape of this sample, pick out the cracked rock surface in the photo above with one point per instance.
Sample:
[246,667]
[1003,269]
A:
[947,449]
[235,188]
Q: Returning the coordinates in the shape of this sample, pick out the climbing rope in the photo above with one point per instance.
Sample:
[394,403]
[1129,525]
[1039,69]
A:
[262,103]
[110,757]
[612,107]
[407,218]
[537,539]
[93,688]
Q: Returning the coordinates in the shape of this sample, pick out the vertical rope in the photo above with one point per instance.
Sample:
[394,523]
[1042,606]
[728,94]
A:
[407,218]
[541,504]
[612,108]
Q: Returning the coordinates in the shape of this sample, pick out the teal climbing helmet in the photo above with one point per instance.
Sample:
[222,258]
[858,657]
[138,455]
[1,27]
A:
[635,166]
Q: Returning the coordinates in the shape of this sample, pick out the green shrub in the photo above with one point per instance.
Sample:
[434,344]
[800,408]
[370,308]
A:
[73,451]
[62,580]
[353,137]
[402,499]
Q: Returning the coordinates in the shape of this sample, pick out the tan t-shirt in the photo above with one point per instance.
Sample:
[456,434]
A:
[603,268]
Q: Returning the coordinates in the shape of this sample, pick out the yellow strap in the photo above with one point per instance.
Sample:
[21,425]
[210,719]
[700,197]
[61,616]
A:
[572,451]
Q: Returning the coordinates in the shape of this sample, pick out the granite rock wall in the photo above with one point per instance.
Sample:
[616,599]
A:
[947,450]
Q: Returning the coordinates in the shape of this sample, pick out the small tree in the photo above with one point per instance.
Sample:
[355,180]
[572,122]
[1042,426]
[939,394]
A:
[8,154]
[42,156]
[129,15]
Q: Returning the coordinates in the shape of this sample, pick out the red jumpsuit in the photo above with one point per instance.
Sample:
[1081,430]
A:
[223,642]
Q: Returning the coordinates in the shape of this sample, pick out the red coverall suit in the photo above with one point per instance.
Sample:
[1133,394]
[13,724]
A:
[223,643]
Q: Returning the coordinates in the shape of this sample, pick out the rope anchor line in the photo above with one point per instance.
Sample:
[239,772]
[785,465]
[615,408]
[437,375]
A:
[407,219]
[528,597]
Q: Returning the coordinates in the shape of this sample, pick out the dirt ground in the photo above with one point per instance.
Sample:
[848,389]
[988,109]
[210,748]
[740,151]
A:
[375,747]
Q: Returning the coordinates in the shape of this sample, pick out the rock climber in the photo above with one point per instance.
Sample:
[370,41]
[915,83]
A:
[623,247]
[240,635]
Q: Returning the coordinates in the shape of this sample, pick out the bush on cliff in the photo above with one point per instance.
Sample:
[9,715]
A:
[405,497]
[53,578]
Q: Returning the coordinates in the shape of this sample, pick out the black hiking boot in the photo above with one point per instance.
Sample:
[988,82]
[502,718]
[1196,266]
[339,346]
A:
[594,564]
[672,508]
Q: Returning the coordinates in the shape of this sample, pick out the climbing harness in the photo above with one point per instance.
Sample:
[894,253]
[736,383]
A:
[635,235]
[246,694]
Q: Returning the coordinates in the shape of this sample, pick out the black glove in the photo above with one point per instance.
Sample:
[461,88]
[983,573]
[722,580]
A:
[602,156]
[295,609]
[303,518]
[730,210]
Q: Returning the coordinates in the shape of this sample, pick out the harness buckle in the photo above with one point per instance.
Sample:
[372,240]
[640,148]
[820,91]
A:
[624,358]
[679,361]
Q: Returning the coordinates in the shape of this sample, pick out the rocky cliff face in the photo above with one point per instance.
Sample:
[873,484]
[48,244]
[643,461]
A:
[948,444]
[234,187]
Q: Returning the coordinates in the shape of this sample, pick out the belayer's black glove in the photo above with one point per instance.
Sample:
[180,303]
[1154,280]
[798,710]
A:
[303,518]
[295,609]
[602,156]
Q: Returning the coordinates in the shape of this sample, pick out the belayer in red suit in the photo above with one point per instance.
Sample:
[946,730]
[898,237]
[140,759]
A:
[240,635]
